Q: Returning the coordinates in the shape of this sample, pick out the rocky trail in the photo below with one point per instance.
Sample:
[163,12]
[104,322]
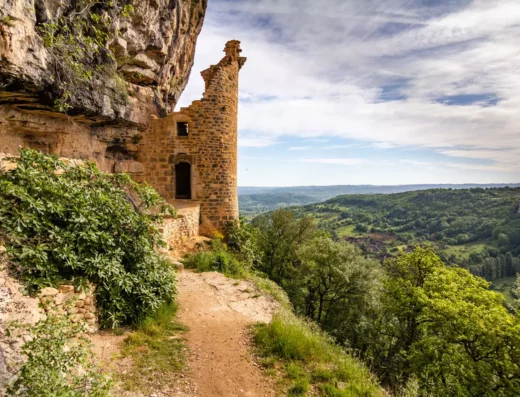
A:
[218,312]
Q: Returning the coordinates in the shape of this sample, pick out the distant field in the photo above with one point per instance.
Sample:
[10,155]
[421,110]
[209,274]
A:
[504,285]
[348,231]
[464,250]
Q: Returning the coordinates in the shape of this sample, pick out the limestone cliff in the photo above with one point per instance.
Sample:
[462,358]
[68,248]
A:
[81,78]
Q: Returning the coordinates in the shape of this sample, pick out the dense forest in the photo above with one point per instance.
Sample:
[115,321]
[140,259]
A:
[478,229]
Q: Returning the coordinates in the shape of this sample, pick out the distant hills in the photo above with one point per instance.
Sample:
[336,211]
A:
[255,200]
[476,228]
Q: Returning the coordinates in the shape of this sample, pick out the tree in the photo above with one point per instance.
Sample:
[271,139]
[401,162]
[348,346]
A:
[503,240]
[335,286]
[280,235]
[444,327]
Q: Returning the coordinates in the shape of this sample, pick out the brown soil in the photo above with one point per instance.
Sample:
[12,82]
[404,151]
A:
[218,312]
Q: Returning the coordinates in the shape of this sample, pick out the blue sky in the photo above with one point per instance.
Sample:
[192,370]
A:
[371,91]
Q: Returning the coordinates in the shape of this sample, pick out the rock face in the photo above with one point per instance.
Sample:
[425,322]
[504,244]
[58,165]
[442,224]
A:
[81,79]
[17,307]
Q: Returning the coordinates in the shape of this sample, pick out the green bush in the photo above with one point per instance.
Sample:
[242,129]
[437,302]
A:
[219,259]
[59,361]
[242,239]
[201,261]
[77,224]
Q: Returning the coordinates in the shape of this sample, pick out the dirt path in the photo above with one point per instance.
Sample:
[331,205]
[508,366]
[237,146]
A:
[217,311]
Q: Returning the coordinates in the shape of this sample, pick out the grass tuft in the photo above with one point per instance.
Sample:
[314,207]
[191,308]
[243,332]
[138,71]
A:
[218,260]
[306,350]
[155,349]
[270,288]
[299,388]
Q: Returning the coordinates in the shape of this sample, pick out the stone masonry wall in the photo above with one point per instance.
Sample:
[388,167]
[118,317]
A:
[210,147]
[185,226]
[79,305]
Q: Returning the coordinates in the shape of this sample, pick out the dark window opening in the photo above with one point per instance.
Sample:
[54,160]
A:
[182,128]
[183,181]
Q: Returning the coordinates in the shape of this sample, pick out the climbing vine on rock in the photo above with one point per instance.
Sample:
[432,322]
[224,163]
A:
[78,42]
[74,223]
[58,361]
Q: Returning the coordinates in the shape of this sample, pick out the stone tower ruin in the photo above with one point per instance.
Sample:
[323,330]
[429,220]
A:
[119,114]
[190,156]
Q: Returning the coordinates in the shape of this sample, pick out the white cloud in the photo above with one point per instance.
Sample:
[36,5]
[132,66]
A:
[495,160]
[315,71]
[256,141]
[482,167]
[383,145]
[345,146]
[293,148]
[339,161]
[415,162]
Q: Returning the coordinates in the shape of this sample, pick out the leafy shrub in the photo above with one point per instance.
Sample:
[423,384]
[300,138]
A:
[219,259]
[242,239]
[59,361]
[75,223]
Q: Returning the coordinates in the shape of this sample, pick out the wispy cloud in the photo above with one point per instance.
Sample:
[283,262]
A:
[257,141]
[338,161]
[294,148]
[342,146]
[453,66]
[415,162]
[383,145]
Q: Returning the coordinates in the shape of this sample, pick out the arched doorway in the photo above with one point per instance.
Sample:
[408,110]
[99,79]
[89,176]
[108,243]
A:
[183,181]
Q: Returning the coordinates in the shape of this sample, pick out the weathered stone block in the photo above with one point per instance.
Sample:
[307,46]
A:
[48,291]
[66,288]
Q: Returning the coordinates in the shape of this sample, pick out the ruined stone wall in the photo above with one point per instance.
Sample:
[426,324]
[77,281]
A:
[210,147]
[176,231]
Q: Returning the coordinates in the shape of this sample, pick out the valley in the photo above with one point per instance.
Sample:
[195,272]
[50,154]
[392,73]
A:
[474,228]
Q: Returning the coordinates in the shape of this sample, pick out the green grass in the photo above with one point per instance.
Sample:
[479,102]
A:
[216,260]
[270,288]
[156,351]
[311,360]
[464,250]
[349,231]
[504,285]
